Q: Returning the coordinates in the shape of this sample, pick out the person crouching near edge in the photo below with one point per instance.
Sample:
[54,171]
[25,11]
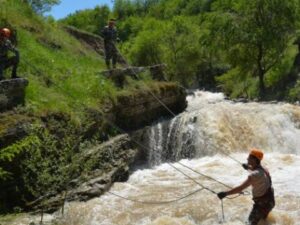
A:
[262,190]
[5,47]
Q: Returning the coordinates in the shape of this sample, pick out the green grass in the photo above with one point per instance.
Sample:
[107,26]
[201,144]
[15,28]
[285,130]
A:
[63,74]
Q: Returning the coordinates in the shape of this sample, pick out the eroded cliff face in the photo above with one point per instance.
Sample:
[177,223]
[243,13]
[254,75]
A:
[103,165]
[12,124]
[144,107]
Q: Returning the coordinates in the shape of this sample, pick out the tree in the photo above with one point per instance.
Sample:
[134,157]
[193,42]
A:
[146,48]
[181,43]
[123,9]
[91,20]
[255,34]
[41,6]
[175,42]
[101,16]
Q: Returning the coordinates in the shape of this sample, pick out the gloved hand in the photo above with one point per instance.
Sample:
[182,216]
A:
[245,166]
[222,195]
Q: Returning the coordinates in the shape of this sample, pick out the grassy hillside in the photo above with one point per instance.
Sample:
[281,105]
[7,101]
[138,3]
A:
[62,72]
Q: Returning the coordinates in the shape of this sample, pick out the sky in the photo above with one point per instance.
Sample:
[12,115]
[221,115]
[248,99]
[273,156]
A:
[70,6]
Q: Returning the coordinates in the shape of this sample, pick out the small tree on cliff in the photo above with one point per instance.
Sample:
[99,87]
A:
[254,34]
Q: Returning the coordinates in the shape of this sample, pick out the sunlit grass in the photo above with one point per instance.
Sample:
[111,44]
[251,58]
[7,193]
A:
[63,74]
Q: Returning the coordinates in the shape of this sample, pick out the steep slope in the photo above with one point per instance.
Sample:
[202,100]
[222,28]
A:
[57,65]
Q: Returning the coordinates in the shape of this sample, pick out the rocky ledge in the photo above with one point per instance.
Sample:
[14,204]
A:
[104,164]
[135,111]
[12,93]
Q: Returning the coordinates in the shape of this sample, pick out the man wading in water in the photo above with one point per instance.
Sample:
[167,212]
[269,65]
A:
[262,190]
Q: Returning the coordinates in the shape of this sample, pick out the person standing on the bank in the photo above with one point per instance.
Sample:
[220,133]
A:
[5,47]
[109,34]
[262,190]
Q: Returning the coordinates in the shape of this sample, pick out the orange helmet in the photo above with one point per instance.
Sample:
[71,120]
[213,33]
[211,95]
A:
[257,153]
[5,32]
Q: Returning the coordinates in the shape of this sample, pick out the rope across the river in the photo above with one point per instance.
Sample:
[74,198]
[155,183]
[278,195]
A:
[138,143]
[156,202]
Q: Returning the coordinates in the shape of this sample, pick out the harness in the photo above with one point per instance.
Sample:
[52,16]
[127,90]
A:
[266,198]
[5,47]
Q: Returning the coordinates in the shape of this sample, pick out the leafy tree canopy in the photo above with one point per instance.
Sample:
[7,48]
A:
[254,34]
[91,20]
[41,6]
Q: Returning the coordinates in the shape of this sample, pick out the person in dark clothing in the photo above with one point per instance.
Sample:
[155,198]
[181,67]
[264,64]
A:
[5,47]
[262,190]
[109,34]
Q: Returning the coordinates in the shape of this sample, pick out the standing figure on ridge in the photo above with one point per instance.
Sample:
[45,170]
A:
[262,190]
[5,47]
[109,34]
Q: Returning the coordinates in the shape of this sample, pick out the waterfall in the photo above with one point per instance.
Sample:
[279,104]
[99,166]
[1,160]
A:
[156,138]
[213,125]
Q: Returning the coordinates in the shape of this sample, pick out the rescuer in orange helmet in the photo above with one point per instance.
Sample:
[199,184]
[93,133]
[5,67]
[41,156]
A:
[5,47]
[262,190]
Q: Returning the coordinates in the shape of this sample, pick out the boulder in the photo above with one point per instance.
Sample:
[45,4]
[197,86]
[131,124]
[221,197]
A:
[12,93]
[102,166]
